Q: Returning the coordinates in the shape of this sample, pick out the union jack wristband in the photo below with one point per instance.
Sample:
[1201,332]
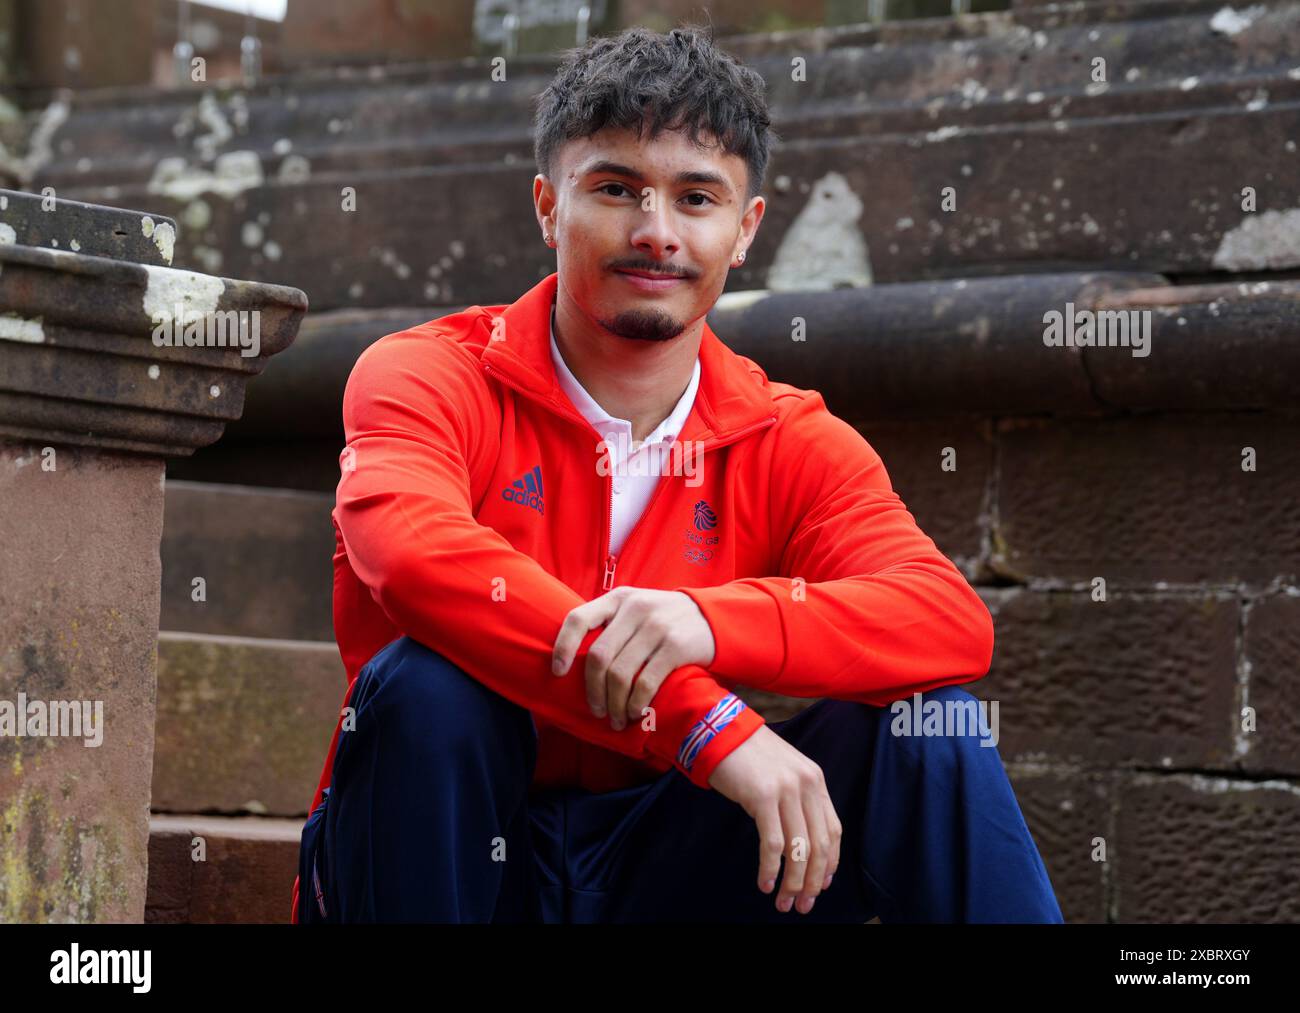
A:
[720,715]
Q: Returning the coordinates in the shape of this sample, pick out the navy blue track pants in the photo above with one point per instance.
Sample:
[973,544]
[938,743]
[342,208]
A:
[429,818]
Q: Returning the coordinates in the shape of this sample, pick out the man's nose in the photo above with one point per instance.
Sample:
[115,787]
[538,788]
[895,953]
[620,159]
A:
[654,231]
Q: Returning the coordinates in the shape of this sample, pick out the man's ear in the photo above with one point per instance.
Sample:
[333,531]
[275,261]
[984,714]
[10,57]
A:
[751,219]
[544,203]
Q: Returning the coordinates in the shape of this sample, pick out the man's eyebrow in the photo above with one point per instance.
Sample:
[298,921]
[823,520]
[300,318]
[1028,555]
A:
[618,169]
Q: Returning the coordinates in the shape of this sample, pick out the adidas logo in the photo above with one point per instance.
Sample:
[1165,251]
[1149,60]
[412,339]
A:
[526,491]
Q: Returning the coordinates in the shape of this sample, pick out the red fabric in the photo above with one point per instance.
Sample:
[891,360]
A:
[815,579]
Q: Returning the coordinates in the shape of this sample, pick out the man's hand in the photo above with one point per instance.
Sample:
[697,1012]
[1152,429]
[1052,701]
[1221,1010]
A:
[785,794]
[660,630]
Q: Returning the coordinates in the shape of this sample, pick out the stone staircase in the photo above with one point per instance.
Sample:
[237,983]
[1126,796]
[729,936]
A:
[249,682]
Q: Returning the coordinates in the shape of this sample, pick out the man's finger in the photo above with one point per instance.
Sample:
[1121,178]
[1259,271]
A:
[819,845]
[656,669]
[836,830]
[601,656]
[577,624]
[771,845]
[796,837]
[622,675]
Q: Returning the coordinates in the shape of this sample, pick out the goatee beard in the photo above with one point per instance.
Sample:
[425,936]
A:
[644,325]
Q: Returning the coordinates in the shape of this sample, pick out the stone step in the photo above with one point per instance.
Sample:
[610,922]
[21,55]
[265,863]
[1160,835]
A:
[205,869]
[1001,107]
[243,724]
[379,117]
[260,558]
[857,342]
[245,877]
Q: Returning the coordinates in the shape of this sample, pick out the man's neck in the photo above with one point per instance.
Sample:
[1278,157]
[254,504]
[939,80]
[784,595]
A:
[640,381]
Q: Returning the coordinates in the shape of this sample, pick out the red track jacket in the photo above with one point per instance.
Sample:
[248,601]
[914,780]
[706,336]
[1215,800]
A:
[471,516]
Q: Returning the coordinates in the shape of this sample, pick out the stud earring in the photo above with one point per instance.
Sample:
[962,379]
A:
[547,237]
[741,256]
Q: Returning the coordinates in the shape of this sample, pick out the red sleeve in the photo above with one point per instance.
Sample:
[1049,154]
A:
[880,612]
[420,420]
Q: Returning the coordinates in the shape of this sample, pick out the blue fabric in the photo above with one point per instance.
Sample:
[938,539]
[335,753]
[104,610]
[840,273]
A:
[431,790]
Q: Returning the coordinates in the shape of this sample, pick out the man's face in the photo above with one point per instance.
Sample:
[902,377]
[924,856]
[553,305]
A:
[646,230]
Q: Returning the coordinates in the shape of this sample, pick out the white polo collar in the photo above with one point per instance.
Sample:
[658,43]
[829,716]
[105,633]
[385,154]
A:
[604,423]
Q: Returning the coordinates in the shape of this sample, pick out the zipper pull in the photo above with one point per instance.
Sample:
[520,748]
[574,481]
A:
[609,572]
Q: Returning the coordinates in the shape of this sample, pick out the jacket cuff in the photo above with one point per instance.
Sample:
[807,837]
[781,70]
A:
[711,740]
[748,633]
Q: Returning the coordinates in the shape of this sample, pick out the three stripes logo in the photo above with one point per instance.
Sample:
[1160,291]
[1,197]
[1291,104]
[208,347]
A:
[526,491]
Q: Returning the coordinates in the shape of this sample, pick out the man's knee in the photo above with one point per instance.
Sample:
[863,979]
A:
[944,728]
[414,687]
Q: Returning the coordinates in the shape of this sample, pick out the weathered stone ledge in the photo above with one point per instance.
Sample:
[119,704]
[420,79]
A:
[81,365]
[914,350]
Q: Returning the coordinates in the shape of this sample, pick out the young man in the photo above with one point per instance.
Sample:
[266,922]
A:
[568,526]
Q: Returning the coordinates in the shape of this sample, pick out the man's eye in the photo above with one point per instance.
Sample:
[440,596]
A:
[616,186]
[706,197]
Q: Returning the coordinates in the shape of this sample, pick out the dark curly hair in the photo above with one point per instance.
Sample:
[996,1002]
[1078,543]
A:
[642,78]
